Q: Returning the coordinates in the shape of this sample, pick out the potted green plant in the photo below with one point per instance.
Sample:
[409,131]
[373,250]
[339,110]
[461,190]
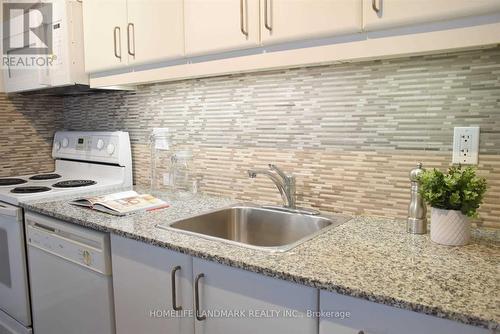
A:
[454,198]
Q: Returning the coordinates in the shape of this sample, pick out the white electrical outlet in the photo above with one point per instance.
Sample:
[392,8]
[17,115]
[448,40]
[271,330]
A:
[466,145]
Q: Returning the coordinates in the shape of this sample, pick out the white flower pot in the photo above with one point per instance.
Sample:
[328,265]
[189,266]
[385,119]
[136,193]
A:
[449,227]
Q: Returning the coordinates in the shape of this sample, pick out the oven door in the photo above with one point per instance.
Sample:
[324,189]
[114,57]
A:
[14,299]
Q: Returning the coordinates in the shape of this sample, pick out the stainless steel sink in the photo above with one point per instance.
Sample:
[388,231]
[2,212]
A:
[257,227]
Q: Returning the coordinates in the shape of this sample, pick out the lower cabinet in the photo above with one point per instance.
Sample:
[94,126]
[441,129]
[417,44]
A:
[341,314]
[148,283]
[259,304]
[161,291]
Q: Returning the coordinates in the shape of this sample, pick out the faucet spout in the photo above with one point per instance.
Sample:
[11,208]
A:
[284,183]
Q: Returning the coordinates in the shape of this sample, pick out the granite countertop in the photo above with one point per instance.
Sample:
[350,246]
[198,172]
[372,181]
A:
[367,257]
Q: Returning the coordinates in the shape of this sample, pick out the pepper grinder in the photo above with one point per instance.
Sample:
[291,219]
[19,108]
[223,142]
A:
[417,211]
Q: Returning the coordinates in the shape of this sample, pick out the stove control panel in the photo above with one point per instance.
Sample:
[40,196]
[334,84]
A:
[107,147]
[84,143]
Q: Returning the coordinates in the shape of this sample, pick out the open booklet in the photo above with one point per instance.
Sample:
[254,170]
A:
[122,203]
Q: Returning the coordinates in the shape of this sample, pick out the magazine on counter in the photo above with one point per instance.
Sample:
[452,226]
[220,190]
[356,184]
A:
[122,203]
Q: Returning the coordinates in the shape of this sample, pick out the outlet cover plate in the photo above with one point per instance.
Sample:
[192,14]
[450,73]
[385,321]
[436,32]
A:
[466,145]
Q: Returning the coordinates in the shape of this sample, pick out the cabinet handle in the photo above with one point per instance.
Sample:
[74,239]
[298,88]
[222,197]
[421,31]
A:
[174,293]
[197,298]
[375,7]
[267,23]
[243,26]
[119,56]
[130,25]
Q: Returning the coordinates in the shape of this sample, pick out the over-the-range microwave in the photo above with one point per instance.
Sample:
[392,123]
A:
[64,66]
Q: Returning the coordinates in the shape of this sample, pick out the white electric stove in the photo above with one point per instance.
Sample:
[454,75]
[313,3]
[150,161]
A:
[84,162]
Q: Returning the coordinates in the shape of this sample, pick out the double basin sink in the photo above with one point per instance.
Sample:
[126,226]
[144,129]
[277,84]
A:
[258,227]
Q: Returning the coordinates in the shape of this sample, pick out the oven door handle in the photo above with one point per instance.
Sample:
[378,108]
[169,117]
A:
[8,210]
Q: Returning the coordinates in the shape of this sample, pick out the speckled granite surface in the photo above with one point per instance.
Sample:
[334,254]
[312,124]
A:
[370,258]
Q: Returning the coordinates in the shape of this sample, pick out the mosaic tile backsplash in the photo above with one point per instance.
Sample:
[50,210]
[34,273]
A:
[349,132]
[27,125]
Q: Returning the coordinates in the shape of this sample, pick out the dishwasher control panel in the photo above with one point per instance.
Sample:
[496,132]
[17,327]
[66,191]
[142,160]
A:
[80,249]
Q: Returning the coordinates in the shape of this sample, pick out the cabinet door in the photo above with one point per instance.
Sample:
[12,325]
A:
[104,34]
[347,315]
[238,301]
[383,14]
[288,20]
[144,290]
[220,25]
[155,30]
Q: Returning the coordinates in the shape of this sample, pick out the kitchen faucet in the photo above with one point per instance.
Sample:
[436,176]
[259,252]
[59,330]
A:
[286,186]
[284,183]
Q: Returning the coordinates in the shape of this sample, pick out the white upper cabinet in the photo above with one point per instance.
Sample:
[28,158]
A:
[131,33]
[288,20]
[120,33]
[152,288]
[266,305]
[155,30]
[383,14]
[105,35]
[220,25]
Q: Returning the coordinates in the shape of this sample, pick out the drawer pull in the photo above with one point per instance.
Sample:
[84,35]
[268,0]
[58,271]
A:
[117,55]
[129,50]
[243,25]
[174,293]
[197,298]
[267,23]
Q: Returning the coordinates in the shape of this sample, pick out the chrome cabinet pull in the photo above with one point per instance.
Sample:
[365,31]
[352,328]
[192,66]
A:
[243,26]
[119,56]
[375,7]
[174,290]
[267,23]
[197,298]
[129,50]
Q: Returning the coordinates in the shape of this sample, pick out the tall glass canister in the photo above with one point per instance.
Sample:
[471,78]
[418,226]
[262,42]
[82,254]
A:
[161,143]
[184,181]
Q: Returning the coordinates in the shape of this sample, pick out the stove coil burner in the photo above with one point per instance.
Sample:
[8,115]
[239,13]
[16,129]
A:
[29,190]
[74,183]
[11,181]
[40,177]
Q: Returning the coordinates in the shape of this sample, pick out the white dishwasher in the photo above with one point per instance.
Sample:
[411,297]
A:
[70,276]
